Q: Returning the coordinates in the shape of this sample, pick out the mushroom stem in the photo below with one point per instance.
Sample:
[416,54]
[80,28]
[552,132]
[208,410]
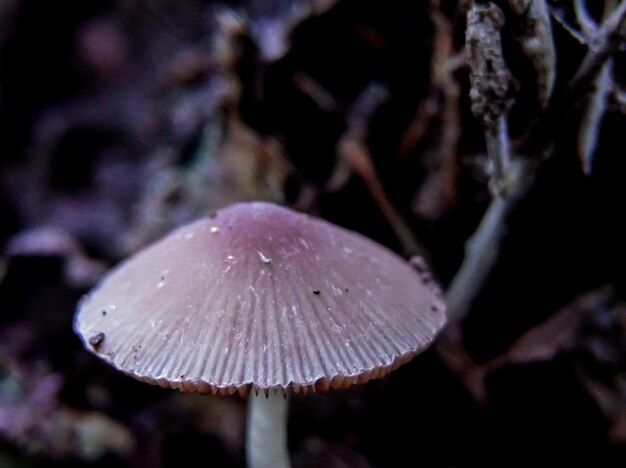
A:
[266,438]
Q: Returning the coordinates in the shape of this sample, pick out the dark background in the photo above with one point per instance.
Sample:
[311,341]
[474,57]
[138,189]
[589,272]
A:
[120,120]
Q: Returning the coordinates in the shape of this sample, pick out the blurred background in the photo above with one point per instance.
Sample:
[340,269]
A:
[121,120]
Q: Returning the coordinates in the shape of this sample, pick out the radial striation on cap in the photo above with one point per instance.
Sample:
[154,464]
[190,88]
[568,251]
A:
[258,296]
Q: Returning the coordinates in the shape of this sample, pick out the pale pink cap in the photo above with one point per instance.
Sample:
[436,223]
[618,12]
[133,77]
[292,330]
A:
[259,296]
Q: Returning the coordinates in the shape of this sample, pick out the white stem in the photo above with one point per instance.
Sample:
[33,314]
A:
[266,438]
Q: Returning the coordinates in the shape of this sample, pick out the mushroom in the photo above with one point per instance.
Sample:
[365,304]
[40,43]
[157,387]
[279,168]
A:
[260,298]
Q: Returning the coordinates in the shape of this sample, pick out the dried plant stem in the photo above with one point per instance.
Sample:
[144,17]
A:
[353,151]
[483,248]
[587,24]
[592,117]
[533,32]
[595,107]
[438,193]
[602,45]
[498,149]
[356,155]
[490,81]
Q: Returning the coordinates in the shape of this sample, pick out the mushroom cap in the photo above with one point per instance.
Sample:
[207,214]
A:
[258,296]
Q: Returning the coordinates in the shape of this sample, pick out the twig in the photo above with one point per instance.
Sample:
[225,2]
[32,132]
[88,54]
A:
[352,150]
[444,63]
[356,154]
[355,157]
[586,22]
[618,98]
[542,342]
[438,192]
[602,45]
[559,17]
[313,89]
[490,80]
[592,117]
[498,150]
[483,248]
[597,102]
[419,126]
[534,34]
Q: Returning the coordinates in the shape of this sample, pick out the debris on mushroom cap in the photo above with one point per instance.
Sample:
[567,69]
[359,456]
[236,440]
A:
[261,297]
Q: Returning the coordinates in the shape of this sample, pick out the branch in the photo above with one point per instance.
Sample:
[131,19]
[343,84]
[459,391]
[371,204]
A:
[586,22]
[490,81]
[353,150]
[592,117]
[602,45]
[438,193]
[483,248]
[534,35]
